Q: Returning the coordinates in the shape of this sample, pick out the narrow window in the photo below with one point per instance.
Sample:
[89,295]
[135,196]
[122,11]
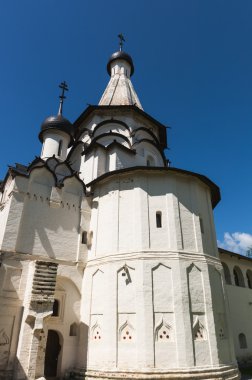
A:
[201,225]
[60,148]
[159,219]
[243,341]
[55,312]
[148,162]
[84,237]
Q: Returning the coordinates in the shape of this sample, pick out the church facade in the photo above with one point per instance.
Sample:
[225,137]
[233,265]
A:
[109,262]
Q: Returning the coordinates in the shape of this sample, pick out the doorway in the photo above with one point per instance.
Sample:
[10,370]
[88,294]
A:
[53,348]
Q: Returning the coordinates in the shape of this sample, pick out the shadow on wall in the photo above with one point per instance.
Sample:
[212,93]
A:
[50,217]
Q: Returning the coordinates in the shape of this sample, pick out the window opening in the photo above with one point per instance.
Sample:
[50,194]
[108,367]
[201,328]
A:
[201,225]
[73,329]
[159,219]
[60,148]
[84,237]
[55,312]
[243,341]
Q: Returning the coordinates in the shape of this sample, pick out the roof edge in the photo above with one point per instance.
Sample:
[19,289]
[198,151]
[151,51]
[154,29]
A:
[215,191]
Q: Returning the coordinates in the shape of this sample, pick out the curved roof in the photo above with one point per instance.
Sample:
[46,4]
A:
[57,122]
[123,56]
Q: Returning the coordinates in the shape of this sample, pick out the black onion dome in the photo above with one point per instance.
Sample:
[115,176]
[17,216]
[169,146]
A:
[120,55]
[56,122]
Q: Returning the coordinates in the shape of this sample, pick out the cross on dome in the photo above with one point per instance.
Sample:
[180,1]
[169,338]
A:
[121,38]
[64,87]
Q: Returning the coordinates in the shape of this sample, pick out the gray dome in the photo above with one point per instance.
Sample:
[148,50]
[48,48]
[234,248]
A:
[56,122]
[120,55]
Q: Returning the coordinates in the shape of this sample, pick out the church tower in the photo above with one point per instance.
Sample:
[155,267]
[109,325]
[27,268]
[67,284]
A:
[153,298]
[109,263]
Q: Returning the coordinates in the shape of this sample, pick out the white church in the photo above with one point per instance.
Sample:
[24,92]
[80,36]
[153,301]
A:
[109,262]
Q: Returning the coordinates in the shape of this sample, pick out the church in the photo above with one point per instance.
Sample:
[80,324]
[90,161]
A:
[109,263]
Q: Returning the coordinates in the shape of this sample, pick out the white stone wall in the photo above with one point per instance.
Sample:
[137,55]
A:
[154,295]
[51,141]
[42,219]
[240,305]
[125,214]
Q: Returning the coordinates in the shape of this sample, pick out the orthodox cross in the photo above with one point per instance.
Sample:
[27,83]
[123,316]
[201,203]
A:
[64,88]
[121,38]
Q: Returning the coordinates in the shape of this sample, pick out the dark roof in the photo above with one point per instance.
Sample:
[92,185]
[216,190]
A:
[215,191]
[233,254]
[92,108]
[58,122]
[120,55]
[38,163]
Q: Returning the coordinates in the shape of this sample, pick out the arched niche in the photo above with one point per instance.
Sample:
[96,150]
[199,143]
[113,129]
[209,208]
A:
[238,277]
[249,278]
[242,341]
[114,126]
[226,273]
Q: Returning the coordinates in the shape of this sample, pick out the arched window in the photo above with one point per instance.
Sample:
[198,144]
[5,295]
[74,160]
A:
[159,219]
[243,341]
[55,312]
[238,277]
[249,278]
[226,273]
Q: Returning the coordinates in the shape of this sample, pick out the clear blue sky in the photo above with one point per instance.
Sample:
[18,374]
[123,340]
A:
[193,71]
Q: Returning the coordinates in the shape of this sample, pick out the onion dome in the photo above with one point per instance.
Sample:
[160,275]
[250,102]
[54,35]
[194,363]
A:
[57,122]
[120,55]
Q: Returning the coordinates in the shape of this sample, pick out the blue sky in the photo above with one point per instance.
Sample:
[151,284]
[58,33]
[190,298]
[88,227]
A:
[193,72]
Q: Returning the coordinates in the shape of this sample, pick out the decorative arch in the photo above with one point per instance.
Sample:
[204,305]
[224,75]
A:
[112,134]
[199,331]
[238,277]
[125,272]
[226,273]
[126,332]
[96,332]
[150,133]
[111,121]
[153,144]
[163,332]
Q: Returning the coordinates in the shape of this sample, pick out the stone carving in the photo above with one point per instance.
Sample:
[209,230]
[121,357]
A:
[199,332]
[96,332]
[4,348]
[4,339]
[163,332]
[126,332]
